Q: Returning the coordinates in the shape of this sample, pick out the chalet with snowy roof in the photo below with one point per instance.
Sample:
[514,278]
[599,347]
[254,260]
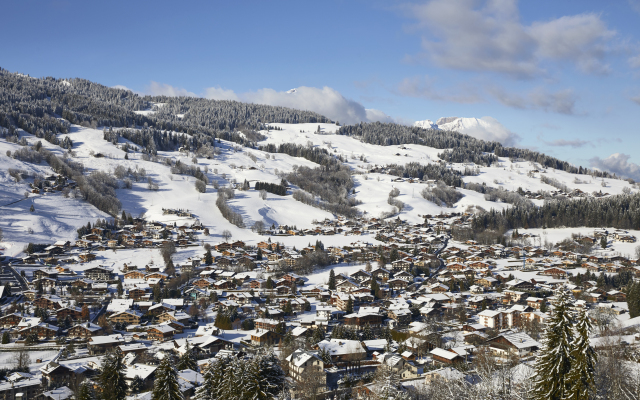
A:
[41,330]
[445,356]
[84,331]
[99,274]
[513,344]
[160,332]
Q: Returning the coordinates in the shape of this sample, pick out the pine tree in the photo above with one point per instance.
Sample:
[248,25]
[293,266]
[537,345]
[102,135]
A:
[633,300]
[318,334]
[349,305]
[208,258]
[165,385]
[554,359]
[112,379]
[84,392]
[187,360]
[367,333]
[120,288]
[214,375]
[5,338]
[270,369]
[581,379]
[332,280]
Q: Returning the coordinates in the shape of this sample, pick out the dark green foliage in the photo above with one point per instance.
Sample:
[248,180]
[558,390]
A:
[208,258]
[554,359]
[633,300]
[332,280]
[187,360]
[85,392]
[463,148]
[449,176]
[271,188]
[248,324]
[166,385]
[581,378]
[111,378]
[620,211]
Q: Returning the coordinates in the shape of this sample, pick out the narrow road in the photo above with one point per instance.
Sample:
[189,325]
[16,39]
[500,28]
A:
[437,271]
[22,281]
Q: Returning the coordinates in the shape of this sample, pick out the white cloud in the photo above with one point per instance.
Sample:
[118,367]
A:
[423,87]
[485,128]
[377,115]
[562,101]
[619,164]
[493,130]
[326,101]
[217,93]
[490,37]
[121,87]
[581,38]
[162,89]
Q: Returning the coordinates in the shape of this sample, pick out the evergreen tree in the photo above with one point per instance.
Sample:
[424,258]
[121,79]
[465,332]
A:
[269,378]
[85,392]
[288,308]
[165,384]
[375,288]
[187,360]
[208,258]
[112,379]
[603,242]
[5,338]
[332,280]
[269,283]
[367,333]
[349,305]
[581,378]
[318,335]
[120,288]
[214,375]
[633,300]
[553,363]
[259,255]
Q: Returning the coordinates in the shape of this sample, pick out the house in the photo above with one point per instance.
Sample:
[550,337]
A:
[41,330]
[128,317]
[10,320]
[519,344]
[445,356]
[263,337]
[342,350]
[301,363]
[99,274]
[269,325]
[360,320]
[160,332]
[84,331]
[491,319]
[56,375]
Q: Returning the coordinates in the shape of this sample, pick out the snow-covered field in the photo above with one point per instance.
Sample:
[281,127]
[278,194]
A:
[56,217]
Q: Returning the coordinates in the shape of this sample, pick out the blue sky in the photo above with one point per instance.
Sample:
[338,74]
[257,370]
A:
[562,77]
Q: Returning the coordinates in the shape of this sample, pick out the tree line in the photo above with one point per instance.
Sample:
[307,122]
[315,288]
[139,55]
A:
[274,188]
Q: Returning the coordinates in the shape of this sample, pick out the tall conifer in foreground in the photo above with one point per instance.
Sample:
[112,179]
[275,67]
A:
[165,384]
[581,379]
[111,378]
[554,360]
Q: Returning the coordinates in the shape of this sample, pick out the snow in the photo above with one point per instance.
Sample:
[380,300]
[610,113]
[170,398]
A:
[57,217]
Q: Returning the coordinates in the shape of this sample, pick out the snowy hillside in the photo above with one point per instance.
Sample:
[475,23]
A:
[57,217]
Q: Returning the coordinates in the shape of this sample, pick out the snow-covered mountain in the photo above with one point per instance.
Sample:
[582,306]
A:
[486,128]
